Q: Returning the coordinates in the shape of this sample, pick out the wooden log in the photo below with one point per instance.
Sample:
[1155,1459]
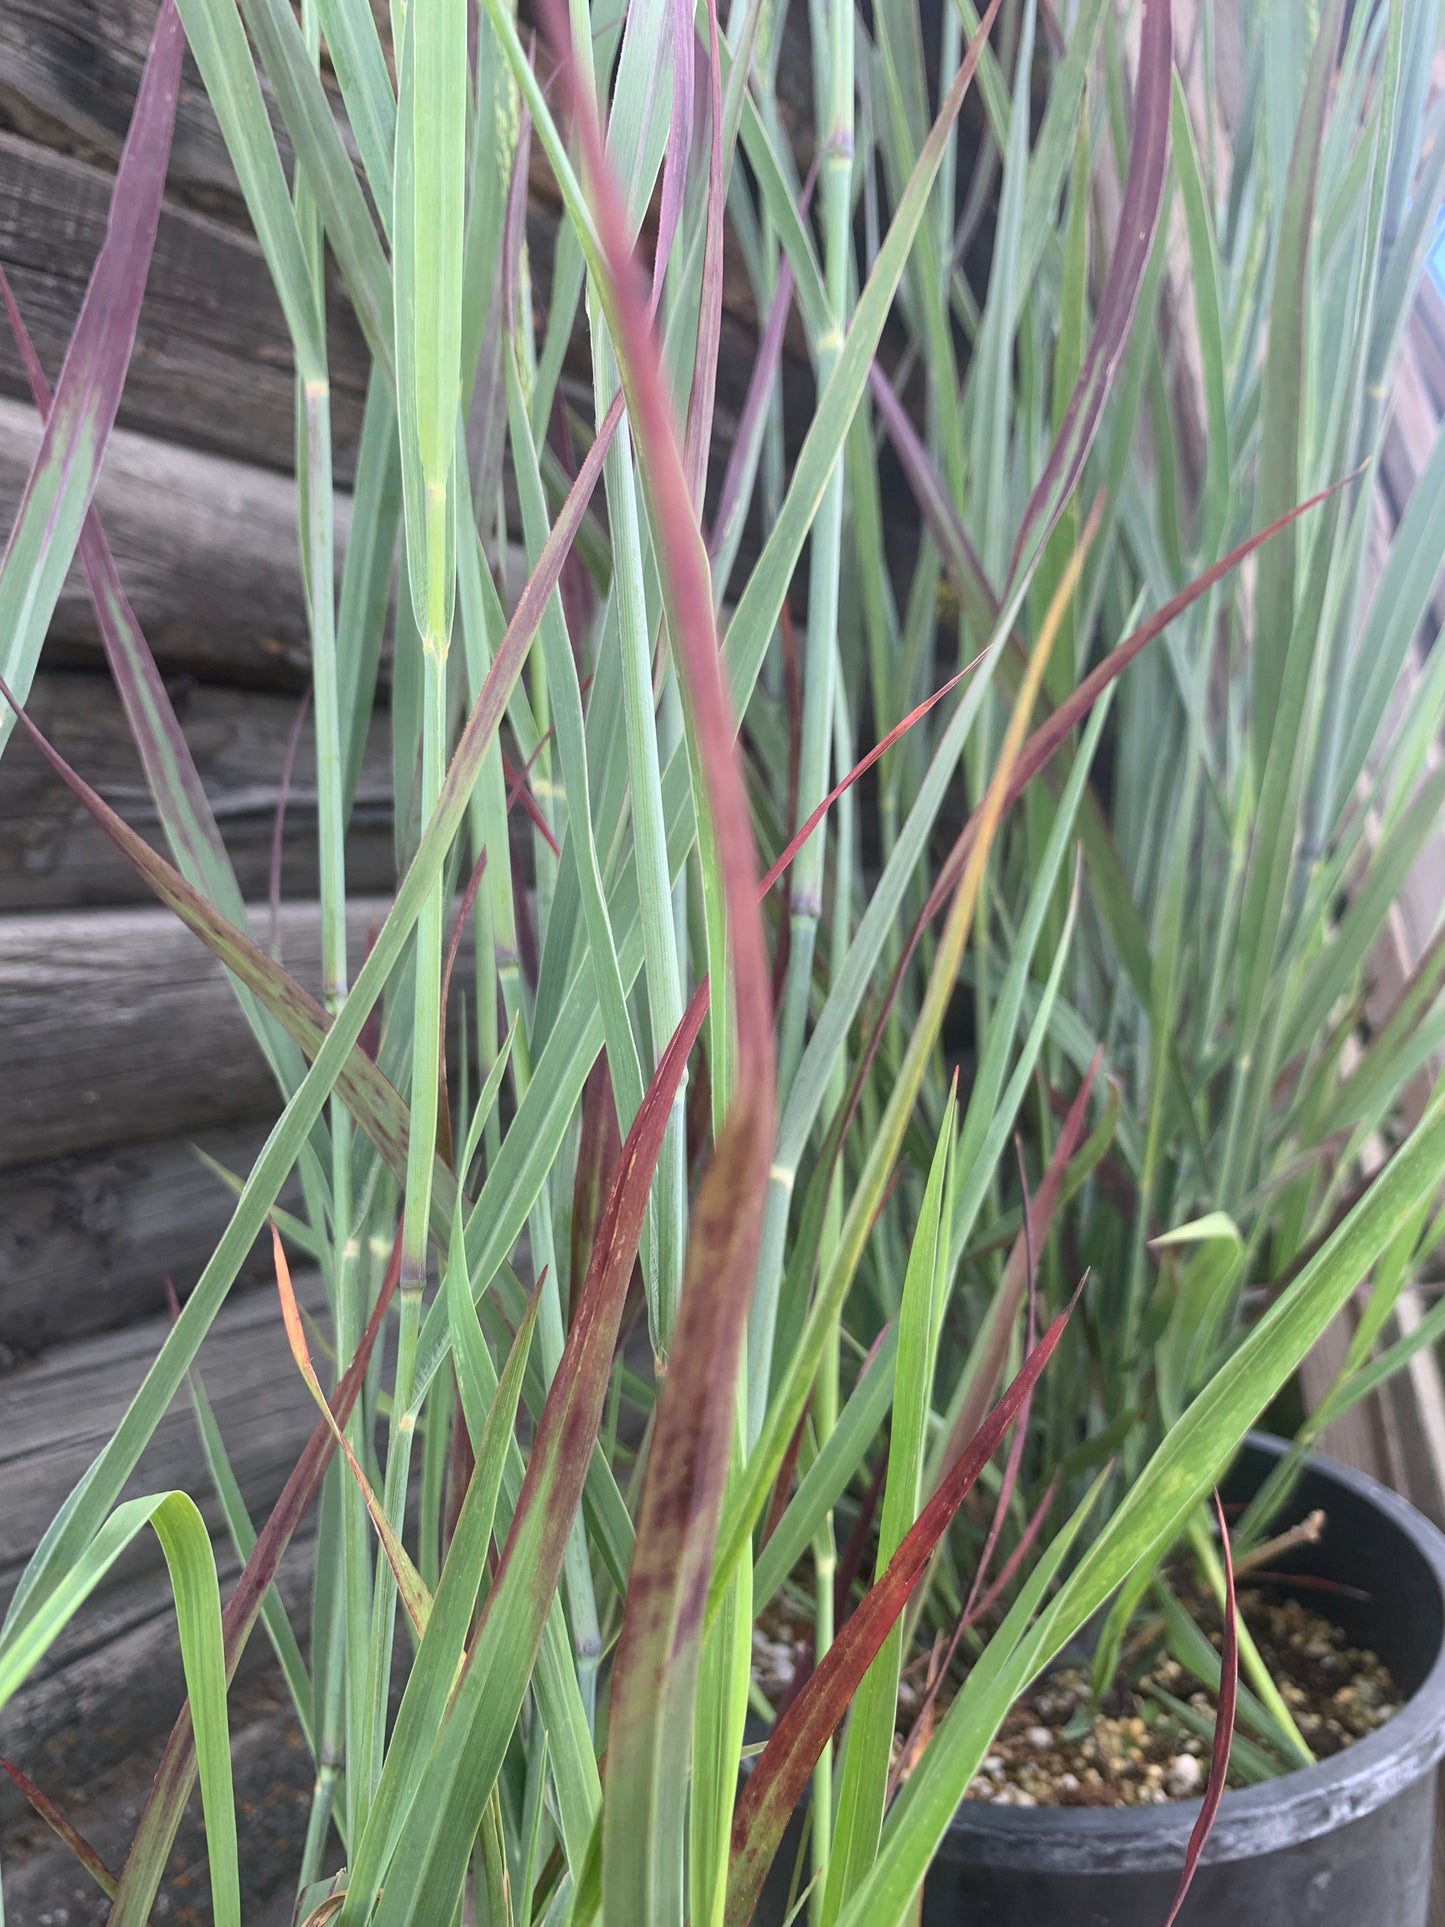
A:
[60,1411]
[206,548]
[53,856]
[112,1681]
[212,365]
[70,78]
[99,1773]
[87,1242]
[119,1026]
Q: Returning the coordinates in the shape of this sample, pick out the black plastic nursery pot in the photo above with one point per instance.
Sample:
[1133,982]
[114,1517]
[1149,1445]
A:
[1345,1842]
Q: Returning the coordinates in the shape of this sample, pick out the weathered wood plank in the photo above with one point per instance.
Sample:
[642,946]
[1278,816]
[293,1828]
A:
[100,1773]
[86,1242]
[212,363]
[69,77]
[206,548]
[119,1026]
[61,1410]
[52,855]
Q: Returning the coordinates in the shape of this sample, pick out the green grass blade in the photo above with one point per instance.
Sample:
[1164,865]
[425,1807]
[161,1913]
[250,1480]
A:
[177,1524]
[327,170]
[218,42]
[869,1755]
[1282,389]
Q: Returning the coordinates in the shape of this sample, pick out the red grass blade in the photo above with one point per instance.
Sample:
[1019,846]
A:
[651,1712]
[518,791]
[679,145]
[1015,1560]
[879,749]
[971,1615]
[777,1782]
[1223,1725]
[1138,219]
[567,1428]
[698,437]
[599,1149]
[1015,1278]
[64,1830]
[1051,734]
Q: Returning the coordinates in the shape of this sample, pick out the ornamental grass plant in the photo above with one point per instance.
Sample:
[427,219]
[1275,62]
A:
[922,852]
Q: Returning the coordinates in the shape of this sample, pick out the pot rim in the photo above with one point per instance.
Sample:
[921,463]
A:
[1296,1807]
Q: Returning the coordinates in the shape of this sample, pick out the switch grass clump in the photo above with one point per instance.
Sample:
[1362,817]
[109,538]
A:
[922,837]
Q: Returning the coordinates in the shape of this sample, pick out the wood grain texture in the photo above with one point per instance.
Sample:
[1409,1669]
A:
[52,855]
[69,77]
[60,1411]
[100,1774]
[207,553]
[212,363]
[86,1242]
[120,1027]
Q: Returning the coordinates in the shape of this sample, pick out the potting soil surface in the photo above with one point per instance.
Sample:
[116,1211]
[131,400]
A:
[1151,1739]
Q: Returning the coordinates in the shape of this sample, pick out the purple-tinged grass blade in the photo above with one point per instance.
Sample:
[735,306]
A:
[67,464]
[971,1615]
[994,1340]
[860,768]
[698,437]
[679,144]
[1010,1567]
[747,442]
[957,553]
[783,1769]
[599,1148]
[1223,1725]
[176,1774]
[1138,219]
[520,792]
[446,1151]
[469,1750]
[64,1830]
[165,755]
